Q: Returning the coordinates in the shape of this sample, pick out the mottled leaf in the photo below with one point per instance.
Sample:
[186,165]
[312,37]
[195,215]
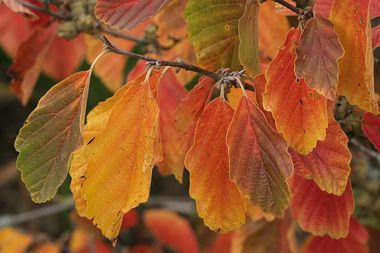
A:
[248,38]
[317,56]
[300,113]
[50,134]
[259,161]
[356,78]
[213,30]
[179,235]
[355,242]
[126,14]
[371,128]
[319,212]
[218,200]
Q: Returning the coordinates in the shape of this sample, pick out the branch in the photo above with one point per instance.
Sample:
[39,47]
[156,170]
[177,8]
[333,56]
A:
[44,9]
[177,64]
[289,6]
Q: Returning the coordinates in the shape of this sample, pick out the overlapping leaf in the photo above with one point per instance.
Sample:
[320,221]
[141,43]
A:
[317,56]
[300,113]
[123,129]
[218,200]
[51,133]
[319,212]
[355,242]
[29,60]
[126,14]
[356,78]
[179,235]
[329,163]
[248,38]
[213,30]
[259,161]
[371,128]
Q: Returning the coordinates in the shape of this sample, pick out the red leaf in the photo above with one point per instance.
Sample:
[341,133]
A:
[222,244]
[130,220]
[259,161]
[16,6]
[319,212]
[371,128]
[355,242]
[126,14]
[172,230]
[376,37]
[259,82]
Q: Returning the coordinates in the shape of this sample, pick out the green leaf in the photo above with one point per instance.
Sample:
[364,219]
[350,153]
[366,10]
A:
[213,31]
[49,136]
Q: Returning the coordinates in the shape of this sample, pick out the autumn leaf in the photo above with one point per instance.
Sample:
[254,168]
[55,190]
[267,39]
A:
[259,161]
[29,60]
[16,6]
[260,82]
[300,113]
[248,38]
[356,78]
[13,241]
[371,128]
[221,244]
[329,163]
[179,236]
[218,200]
[324,7]
[126,14]
[47,247]
[319,212]
[317,56]
[123,129]
[263,237]
[272,29]
[376,37]
[355,242]
[213,30]
[49,136]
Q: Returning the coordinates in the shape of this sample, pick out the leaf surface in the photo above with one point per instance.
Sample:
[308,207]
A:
[317,56]
[213,30]
[13,241]
[356,78]
[329,163]
[218,200]
[126,127]
[355,242]
[126,14]
[371,128]
[319,212]
[49,136]
[300,113]
[178,235]
[376,37]
[259,161]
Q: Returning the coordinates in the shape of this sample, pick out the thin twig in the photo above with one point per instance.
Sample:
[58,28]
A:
[289,6]
[160,63]
[44,9]
[122,35]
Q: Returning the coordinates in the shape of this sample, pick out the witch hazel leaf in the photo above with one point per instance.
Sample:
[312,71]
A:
[355,242]
[317,56]
[259,161]
[318,212]
[300,113]
[126,14]
[356,77]
[127,126]
[329,163]
[218,200]
[371,128]
[50,134]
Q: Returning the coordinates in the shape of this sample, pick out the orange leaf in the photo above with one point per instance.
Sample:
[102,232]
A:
[259,161]
[12,241]
[129,145]
[319,212]
[329,163]
[317,56]
[218,200]
[126,14]
[260,82]
[356,78]
[371,128]
[355,242]
[272,29]
[222,244]
[29,60]
[172,230]
[300,113]
[47,247]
